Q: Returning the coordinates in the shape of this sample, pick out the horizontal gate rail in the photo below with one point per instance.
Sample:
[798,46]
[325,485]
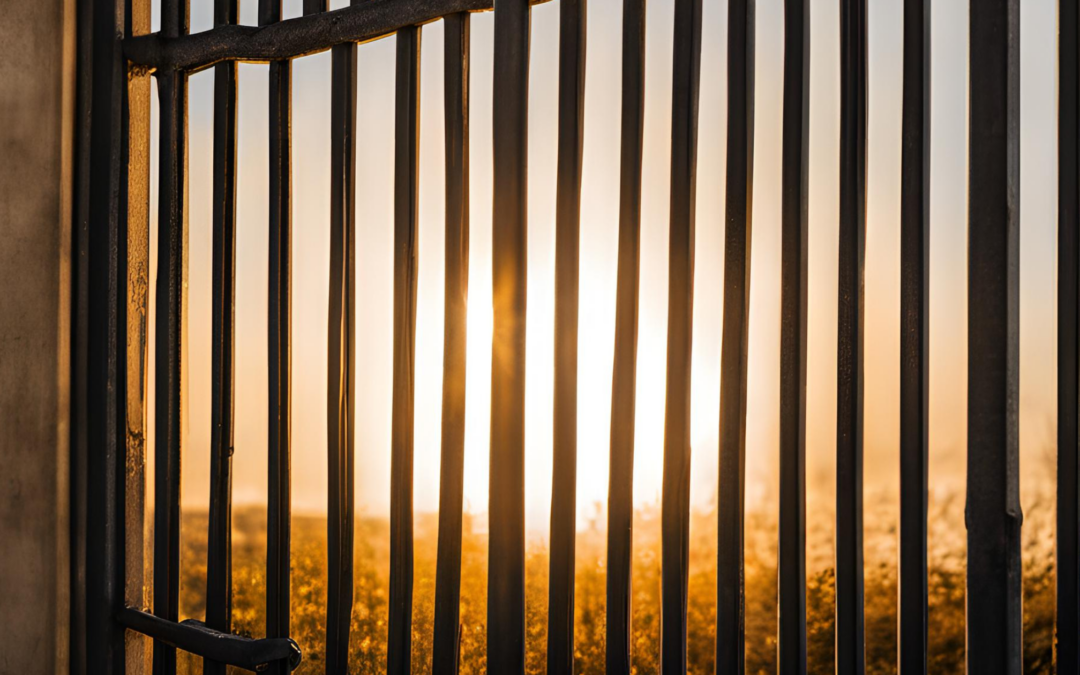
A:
[292,38]
[196,637]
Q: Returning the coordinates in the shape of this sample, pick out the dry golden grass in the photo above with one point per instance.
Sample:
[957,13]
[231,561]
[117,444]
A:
[368,638]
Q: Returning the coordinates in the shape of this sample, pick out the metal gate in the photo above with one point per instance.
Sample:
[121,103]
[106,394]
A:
[119,54]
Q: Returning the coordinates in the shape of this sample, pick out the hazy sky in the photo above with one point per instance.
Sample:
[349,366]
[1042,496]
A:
[599,225]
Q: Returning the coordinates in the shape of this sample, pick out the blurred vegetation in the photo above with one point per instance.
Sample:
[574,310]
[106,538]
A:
[368,636]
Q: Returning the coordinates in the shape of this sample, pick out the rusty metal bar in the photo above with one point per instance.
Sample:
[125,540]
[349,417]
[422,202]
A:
[738,228]
[279,383]
[445,657]
[1067,626]
[172,224]
[406,184]
[624,375]
[675,508]
[794,247]
[341,359]
[993,514]
[572,36]
[223,294]
[291,38]
[850,647]
[109,370]
[133,316]
[215,646]
[506,506]
[914,338]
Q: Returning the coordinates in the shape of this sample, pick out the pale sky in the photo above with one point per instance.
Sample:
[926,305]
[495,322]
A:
[599,226]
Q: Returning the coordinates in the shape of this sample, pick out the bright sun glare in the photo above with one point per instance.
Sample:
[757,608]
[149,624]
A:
[599,225]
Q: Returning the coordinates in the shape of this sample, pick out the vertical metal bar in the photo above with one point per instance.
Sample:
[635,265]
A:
[219,536]
[406,183]
[572,35]
[794,246]
[445,655]
[279,381]
[738,228]
[172,224]
[105,275]
[80,336]
[993,514]
[624,371]
[1067,628]
[135,256]
[675,508]
[341,359]
[914,338]
[850,648]
[506,507]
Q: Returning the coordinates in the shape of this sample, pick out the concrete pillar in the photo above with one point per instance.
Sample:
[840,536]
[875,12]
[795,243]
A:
[37,94]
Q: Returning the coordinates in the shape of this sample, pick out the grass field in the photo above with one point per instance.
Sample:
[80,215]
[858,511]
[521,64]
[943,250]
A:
[368,638]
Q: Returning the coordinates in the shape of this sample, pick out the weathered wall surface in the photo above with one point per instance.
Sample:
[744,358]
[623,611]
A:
[37,40]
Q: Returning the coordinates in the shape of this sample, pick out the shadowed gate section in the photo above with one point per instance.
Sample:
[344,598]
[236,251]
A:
[113,199]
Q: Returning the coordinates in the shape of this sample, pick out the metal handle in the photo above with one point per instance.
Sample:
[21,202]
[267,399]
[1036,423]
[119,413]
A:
[199,639]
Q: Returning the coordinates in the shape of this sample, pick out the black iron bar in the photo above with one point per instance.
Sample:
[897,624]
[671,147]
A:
[850,648]
[172,224]
[406,184]
[279,382]
[293,37]
[794,247]
[445,656]
[223,294]
[675,508]
[215,646]
[572,35]
[914,338]
[109,159]
[339,329]
[80,333]
[80,431]
[738,229]
[993,513]
[168,352]
[341,359]
[1067,627]
[506,506]
[624,371]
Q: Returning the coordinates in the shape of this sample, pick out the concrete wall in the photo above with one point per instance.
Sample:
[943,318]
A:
[37,41]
